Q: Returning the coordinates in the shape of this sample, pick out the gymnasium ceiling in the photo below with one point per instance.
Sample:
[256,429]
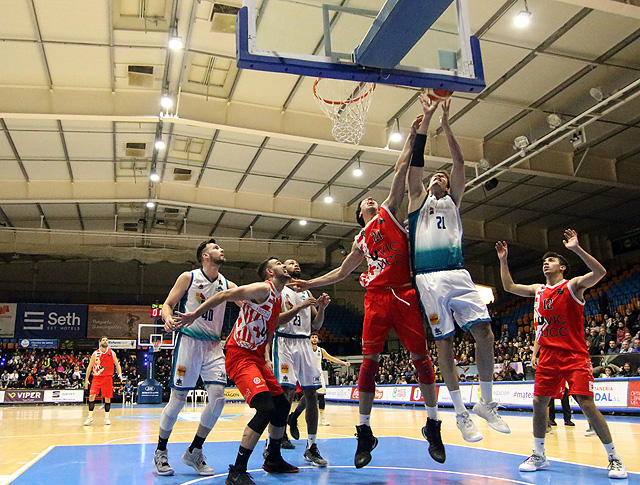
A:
[249,154]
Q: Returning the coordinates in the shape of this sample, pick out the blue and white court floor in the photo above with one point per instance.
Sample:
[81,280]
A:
[398,460]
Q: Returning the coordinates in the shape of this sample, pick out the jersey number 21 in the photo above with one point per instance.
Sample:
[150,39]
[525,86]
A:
[440,222]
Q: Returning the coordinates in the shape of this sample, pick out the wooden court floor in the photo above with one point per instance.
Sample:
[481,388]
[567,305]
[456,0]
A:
[27,432]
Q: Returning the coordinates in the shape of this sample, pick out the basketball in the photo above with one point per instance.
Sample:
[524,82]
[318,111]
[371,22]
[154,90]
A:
[438,95]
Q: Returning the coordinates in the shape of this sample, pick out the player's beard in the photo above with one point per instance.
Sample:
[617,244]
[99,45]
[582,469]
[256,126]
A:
[219,261]
[296,273]
[103,346]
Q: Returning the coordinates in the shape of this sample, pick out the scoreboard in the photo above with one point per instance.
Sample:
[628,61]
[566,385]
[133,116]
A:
[156,310]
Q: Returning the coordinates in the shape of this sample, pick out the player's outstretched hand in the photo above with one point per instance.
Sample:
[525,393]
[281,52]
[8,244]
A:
[299,285]
[184,319]
[311,301]
[323,301]
[428,105]
[170,324]
[502,249]
[571,240]
[444,119]
[415,125]
[348,364]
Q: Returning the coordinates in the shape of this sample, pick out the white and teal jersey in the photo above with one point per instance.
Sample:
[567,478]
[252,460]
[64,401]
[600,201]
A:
[435,232]
[299,325]
[209,325]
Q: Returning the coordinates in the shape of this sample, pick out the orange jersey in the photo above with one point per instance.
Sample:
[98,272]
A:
[256,323]
[104,365]
[559,318]
[384,244]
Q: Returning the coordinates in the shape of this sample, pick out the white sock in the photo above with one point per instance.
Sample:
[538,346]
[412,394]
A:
[486,391]
[611,450]
[311,440]
[457,401]
[365,419]
[106,415]
[538,446]
[91,414]
[432,412]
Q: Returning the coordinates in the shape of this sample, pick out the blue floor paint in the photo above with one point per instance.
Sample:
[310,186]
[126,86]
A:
[396,461]
[191,417]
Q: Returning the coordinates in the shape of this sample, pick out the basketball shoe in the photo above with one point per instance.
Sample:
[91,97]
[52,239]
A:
[366,444]
[616,467]
[313,456]
[468,428]
[489,412]
[88,422]
[534,463]
[161,461]
[196,460]
[238,477]
[431,433]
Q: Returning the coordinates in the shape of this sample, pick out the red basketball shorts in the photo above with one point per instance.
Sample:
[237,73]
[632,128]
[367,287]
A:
[250,373]
[397,308]
[102,386]
[552,382]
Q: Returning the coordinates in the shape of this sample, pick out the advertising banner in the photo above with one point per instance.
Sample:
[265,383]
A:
[42,320]
[232,394]
[23,396]
[64,395]
[38,343]
[117,321]
[634,394]
[8,319]
[122,344]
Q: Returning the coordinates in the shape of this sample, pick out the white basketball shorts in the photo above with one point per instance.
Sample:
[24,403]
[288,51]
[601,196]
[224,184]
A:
[294,361]
[193,358]
[442,293]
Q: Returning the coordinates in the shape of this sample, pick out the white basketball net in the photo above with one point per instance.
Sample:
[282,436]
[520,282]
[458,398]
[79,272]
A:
[346,103]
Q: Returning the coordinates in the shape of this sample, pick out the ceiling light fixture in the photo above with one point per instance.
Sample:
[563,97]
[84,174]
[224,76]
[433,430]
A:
[554,120]
[154,177]
[160,144]
[396,135]
[357,172]
[328,198]
[523,18]
[597,93]
[150,204]
[166,101]
[175,43]
[303,222]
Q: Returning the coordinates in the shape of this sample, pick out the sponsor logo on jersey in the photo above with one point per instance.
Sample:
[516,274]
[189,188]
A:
[200,297]
[200,286]
[284,368]
[431,211]
[178,382]
[434,319]
[182,370]
[256,380]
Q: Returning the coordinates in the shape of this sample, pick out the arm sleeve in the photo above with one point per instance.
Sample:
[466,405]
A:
[417,154]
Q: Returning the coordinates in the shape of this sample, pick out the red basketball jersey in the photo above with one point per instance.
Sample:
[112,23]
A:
[103,366]
[559,317]
[256,323]
[384,243]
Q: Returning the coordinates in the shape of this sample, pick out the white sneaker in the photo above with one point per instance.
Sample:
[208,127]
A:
[489,411]
[88,422]
[534,463]
[590,431]
[107,422]
[324,422]
[468,429]
[196,461]
[616,468]
[161,462]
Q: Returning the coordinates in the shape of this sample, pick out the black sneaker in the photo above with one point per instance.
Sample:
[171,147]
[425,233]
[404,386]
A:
[431,433]
[286,444]
[312,455]
[569,423]
[366,444]
[278,465]
[238,477]
[293,427]
[552,422]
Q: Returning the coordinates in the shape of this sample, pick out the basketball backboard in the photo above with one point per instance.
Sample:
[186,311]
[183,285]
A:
[150,334]
[424,44]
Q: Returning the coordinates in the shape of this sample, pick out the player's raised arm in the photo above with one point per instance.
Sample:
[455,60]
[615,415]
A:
[457,178]
[398,185]
[285,317]
[417,191]
[179,288]
[318,312]
[505,275]
[348,266]
[257,292]
[580,283]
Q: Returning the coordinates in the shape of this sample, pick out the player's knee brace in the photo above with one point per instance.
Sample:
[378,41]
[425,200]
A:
[263,404]
[213,409]
[107,407]
[172,409]
[367,377]
[281,411]
[424,367]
